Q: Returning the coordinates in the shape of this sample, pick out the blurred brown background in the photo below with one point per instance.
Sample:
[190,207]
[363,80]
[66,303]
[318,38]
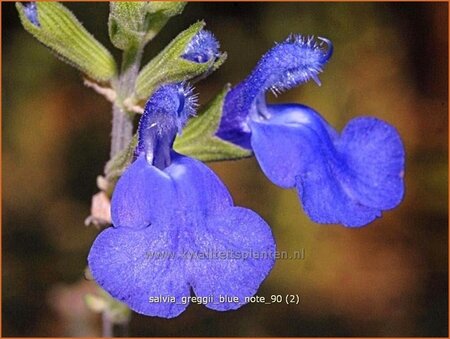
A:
[387,279]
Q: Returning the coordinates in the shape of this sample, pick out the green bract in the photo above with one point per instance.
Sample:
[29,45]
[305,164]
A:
[198,139]
[159,12]
[60,30]
[133,24]
[169,66]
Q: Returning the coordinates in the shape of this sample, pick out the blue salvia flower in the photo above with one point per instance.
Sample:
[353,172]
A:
[348,178]
[175,228]
[202,48]
[30,10]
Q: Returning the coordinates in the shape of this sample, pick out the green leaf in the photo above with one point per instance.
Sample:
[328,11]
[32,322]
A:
[133,24]
[169,67]
[159,13]
[60,30]
[166,8]
[198,139]
[124,23]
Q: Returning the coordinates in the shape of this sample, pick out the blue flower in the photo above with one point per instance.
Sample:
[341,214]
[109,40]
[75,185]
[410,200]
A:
[347,178]
[202,48]
[30,10]
[175,228]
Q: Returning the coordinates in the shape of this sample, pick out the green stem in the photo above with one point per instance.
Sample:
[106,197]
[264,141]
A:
[122,123]
[122,129]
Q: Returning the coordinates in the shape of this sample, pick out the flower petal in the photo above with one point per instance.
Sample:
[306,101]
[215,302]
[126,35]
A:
[375,154]
[191,215]
[233,125]
[143,195]
[133,266]
[348,179]
[214,227]
[326,201]
[198,189]
[293,137]
[234,252]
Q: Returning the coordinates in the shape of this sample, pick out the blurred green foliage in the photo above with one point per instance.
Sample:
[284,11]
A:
[387,279]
